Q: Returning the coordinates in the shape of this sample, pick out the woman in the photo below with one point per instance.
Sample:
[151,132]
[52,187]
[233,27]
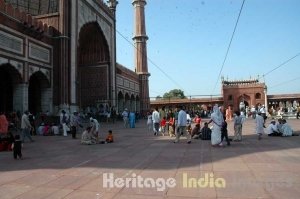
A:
[217,120]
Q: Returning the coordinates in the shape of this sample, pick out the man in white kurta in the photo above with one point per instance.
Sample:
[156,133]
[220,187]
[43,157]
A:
[259,121]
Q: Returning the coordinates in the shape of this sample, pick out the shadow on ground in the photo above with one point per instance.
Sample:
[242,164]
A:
[138,149]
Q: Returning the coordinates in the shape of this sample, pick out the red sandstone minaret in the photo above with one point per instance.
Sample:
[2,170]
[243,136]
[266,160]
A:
[140,56]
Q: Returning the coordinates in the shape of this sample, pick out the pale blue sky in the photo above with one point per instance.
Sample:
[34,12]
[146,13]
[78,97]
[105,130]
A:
[188,40]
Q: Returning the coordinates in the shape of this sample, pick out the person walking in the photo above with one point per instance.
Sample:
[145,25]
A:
[238,120]
[181,126]
[259,121]
[217,120]
[64,121]
[75,123]
[26,127]
[156,121]
[125,116]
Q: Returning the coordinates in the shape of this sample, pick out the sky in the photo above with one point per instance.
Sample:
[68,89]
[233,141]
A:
[189,40]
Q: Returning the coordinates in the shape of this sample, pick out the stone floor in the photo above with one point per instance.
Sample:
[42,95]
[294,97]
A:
[59,167]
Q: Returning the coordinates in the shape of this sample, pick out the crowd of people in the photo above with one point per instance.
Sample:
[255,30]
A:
[178,122]
[175,123]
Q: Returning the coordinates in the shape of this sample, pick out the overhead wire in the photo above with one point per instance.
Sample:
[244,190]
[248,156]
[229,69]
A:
[152,62]
[228,48]
[285,82]
[280,65]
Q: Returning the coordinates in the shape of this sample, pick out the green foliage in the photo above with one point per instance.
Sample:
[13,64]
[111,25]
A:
[174,94]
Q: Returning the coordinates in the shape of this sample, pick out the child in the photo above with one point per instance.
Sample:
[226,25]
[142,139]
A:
[110,137]
[163,126]
[17,147]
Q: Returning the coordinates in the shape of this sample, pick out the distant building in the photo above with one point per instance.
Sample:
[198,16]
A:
[238,95]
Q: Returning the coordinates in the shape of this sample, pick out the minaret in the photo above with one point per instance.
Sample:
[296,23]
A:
[140,55]
[112,4]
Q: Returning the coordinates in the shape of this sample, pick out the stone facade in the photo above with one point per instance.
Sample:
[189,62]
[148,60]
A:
[62,55]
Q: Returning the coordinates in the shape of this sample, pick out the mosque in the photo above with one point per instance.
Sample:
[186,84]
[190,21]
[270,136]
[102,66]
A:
[60,54]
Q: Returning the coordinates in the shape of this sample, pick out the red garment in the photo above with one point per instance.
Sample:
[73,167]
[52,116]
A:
[3,124]
[197,120]
[163,122]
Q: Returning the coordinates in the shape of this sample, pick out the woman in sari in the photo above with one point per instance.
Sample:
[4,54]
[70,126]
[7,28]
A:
[217,120]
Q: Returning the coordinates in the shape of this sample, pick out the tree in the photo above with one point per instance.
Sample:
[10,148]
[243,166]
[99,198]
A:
[175,93]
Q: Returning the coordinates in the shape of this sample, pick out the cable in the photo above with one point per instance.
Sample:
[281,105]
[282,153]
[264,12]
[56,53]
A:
[152,62]
[237,21]
[288,81]
[282,64]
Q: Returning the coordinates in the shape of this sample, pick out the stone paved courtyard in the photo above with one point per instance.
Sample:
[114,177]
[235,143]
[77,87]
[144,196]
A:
[59,167]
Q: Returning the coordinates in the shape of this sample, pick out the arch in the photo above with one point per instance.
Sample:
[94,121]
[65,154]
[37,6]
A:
[38,92]
[132,103]
[9,78]
[93,47]
[257,96]
[120,102]
[137,98]
[127,101]
[230,97]
[93,65]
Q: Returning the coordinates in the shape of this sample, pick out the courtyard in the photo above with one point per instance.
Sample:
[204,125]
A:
[60,167]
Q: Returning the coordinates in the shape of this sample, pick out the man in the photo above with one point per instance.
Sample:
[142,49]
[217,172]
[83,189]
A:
[286,129]
[259,121]
[272,129]
[75,123]
[156,121]
[181,125]
[64,121]
[26,127]
[95,127]
[125,116]
[205,133]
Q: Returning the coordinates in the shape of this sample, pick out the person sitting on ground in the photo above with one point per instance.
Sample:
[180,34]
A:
[205,132]
[54,129]
[279,125]
[197,120]
[110,137]
[196,131]
[40,129]
[286,129]
[272,129]
[86,137]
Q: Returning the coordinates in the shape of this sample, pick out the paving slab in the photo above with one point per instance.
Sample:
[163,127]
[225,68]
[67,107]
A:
[138,166]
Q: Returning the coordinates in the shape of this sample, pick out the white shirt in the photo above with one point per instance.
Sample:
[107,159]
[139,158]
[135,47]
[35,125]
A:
[271,128]
[155,117]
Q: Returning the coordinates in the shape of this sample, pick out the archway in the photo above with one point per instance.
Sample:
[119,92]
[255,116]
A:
[132,104]
[38,84]
[120,102]
[9,78]
[93,66]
